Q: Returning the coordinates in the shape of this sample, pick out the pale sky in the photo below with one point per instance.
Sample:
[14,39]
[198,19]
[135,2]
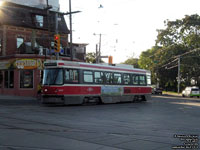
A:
[128,27]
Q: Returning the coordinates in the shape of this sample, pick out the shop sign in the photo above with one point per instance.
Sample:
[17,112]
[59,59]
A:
[28,64]
[4,65]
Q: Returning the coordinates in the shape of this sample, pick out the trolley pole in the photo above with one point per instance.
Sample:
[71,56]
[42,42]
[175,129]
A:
[179,73]
[70,23]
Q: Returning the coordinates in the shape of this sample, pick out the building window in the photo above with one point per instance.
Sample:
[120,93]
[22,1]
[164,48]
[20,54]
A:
[26,78]
[88,76]
[1,48]
[9,79]
[20,40]
[39,20]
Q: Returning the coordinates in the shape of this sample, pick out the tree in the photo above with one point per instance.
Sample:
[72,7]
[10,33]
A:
[132,61]
[180,37]
[91,57]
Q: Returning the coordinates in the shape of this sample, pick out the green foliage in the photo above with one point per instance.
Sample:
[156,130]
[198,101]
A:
[179,37]
[91,57]
[132,61]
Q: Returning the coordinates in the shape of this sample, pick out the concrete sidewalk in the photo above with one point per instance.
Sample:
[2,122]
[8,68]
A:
[171,93]
[18,100]
[12,97]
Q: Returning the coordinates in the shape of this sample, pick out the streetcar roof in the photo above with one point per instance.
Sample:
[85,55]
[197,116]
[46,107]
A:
[102,67]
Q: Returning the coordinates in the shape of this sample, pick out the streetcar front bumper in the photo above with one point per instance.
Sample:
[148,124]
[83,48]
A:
[53,99]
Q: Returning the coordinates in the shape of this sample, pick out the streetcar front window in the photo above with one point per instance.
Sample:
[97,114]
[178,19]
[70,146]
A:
[53,77]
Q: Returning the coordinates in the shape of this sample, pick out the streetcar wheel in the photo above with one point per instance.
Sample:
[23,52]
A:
[143,98]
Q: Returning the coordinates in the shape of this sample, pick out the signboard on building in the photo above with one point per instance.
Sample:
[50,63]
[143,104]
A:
[37,3]
[28,64]
[4,65]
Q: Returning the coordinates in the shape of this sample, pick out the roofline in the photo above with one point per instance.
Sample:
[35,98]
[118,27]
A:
[6,3]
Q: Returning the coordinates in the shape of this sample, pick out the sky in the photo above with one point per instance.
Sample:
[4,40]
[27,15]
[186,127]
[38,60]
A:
[128,27]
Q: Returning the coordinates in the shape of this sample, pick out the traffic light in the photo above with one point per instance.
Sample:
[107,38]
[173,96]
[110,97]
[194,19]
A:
[57,43]
[110,60]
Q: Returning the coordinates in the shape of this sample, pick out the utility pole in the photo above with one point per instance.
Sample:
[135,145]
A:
[179,73]
[99,56]
[56,32]
[98,51]
[70,23]
[49,38]
[70,27]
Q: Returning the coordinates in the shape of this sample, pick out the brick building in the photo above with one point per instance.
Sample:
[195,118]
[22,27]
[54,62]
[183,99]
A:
[26,40]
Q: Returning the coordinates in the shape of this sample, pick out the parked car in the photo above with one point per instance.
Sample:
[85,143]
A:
[157,91]
[191,91]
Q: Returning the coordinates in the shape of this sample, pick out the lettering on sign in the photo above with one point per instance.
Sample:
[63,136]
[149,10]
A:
[26,64]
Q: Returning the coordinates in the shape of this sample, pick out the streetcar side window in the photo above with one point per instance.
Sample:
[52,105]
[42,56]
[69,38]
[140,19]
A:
[88,76]
[148,80]
[117,78]
[98,77]
[135,79]
[127,79]
[71,76]
[142,80]
[108,78]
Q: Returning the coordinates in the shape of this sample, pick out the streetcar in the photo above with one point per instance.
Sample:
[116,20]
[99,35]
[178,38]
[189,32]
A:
[69,83]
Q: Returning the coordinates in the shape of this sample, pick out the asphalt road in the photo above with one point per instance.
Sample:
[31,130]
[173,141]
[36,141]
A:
[162,123]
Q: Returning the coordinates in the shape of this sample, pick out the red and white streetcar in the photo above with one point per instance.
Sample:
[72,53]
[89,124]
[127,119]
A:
[66,82]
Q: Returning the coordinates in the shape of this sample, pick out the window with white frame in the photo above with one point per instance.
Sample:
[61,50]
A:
[39,20]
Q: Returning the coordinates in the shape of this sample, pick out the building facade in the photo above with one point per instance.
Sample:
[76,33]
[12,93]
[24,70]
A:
[26,41]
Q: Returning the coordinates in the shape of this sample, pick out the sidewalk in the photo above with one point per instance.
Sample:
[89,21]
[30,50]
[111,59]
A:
[13,97]
[15,100]
[171,93]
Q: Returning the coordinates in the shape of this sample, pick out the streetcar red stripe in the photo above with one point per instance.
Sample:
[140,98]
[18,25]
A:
[90,90]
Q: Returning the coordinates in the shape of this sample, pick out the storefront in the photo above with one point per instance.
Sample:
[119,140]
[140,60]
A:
[21,77]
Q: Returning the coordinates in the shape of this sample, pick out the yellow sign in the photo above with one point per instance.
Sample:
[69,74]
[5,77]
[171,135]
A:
[28,64]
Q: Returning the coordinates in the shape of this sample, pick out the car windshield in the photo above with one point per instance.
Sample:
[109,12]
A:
[53,77]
